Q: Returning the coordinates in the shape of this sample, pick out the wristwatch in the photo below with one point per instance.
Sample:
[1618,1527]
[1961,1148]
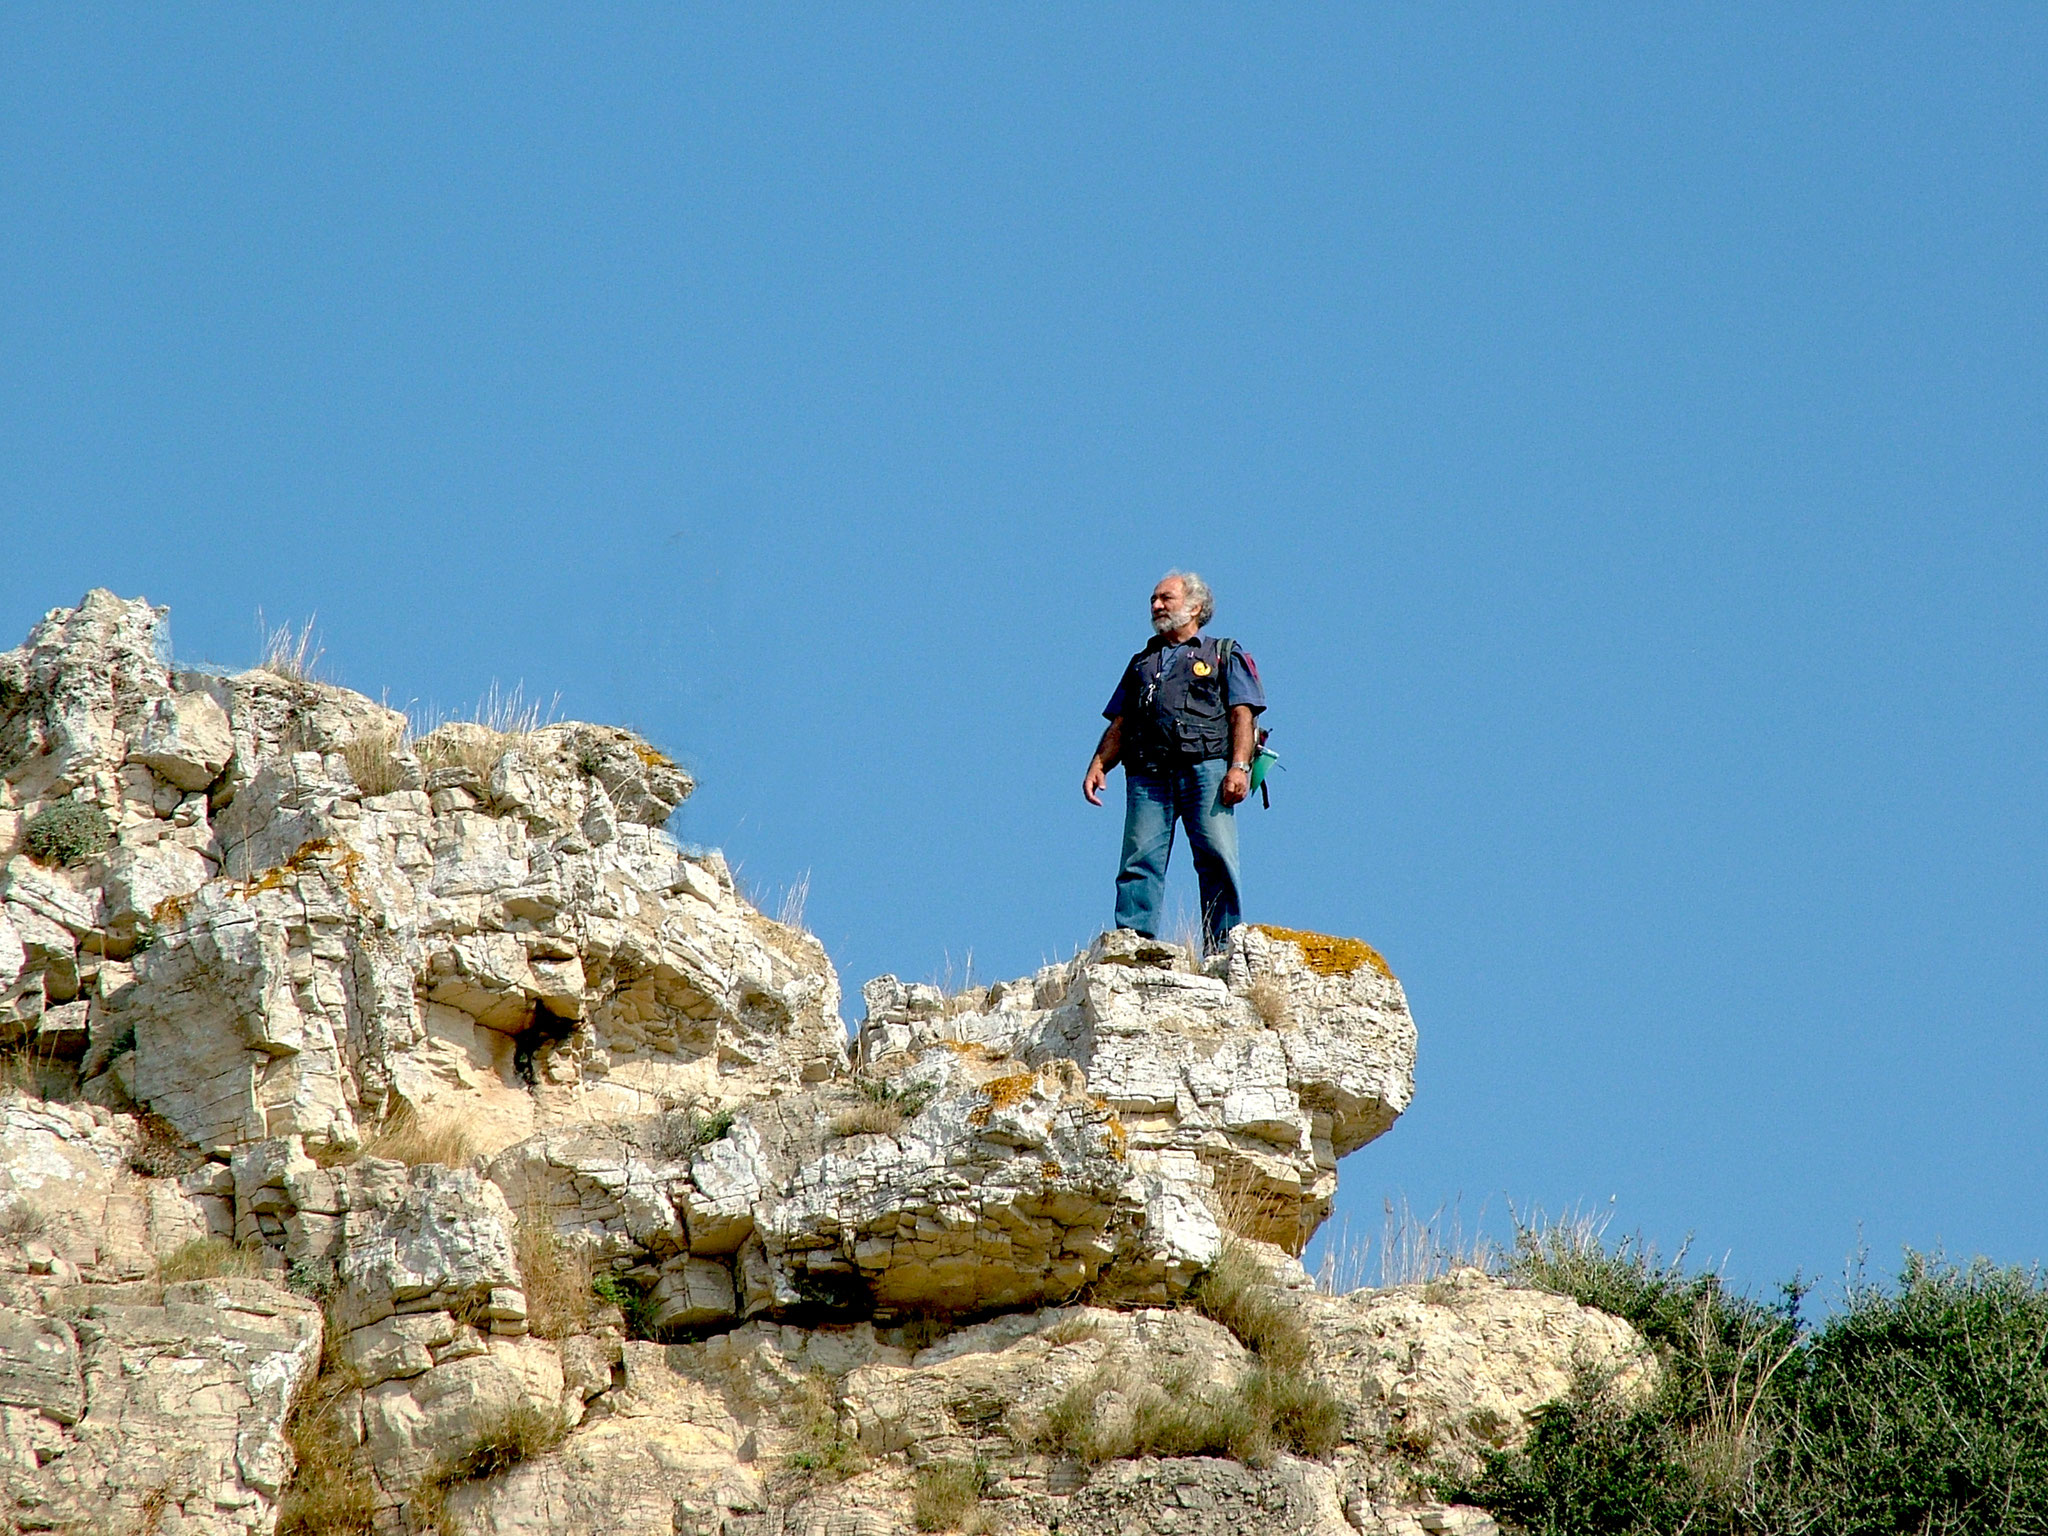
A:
[1240,767]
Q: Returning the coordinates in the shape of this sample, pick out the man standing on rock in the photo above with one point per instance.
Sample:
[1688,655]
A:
[1182,723]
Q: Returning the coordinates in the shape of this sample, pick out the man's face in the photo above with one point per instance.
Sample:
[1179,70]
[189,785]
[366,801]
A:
[1169,605]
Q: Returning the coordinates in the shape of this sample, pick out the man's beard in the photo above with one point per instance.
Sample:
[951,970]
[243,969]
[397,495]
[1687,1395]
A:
[1167,623]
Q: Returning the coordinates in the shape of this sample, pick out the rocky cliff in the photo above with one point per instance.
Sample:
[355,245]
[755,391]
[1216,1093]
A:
[406,1134]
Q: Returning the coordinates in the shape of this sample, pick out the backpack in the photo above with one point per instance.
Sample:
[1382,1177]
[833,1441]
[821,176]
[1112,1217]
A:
[1265,759]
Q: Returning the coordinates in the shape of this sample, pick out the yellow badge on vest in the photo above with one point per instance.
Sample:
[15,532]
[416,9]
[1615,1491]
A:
[1201,669]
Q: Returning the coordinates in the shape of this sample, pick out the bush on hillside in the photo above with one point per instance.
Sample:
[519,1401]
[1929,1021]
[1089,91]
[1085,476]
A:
[1921,1407]
[67,832]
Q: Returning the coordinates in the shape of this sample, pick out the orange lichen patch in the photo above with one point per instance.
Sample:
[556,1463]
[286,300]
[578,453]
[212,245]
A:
[1049,1169]
[973,1050]
[650,757]
[1327,955]
[1004,1093]
[170,909]
[1118,1138]
[347,867]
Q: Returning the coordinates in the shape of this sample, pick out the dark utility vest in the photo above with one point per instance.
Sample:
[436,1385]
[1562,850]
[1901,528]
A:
[1179,718]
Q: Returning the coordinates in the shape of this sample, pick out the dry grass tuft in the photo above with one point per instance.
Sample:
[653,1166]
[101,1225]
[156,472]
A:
[868,1119]
[679,1132]
[1184,932]
[1268,997]
[1114,1415]
[287,652]
[22,1220]
[1278,1402]
[37,1072]
[948,1496]
[499,722]
[1238,1292]
[790,910]
[886,1103]
[409,1137]
[373,757]
[520,1434]
[210,1258]
[330,1493]
[461,745]
[1724,1449]
[559,1298]
[1342,1269]
[1415,1252]
[1074,1328]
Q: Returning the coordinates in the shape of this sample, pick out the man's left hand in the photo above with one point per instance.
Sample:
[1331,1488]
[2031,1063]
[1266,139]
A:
[1236,785]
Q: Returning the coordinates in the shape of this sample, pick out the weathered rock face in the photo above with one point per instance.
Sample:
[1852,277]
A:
[1451,1370]
[510,936]
[547,1197]
[135,1407]
[1253,1076]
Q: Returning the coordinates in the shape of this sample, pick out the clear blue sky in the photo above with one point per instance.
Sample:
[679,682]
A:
[1618,433]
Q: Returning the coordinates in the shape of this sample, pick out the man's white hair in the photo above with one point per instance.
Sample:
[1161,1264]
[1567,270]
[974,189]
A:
[1199,598]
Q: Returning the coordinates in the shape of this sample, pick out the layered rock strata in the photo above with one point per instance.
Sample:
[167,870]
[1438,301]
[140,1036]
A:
[550,1198]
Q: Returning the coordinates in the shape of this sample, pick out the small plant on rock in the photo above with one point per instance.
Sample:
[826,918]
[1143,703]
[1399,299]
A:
[885,1104]
[318,1278]
[520,1433]
[1268,997]
[680,1132]
[67,832]
[209,1258]
[819,1449]
[635,1306]
[159,1151]
[559,1289]
[948,1495]
[288,652]
[373,757]
[1074,1328]
[410,1137]
[330,1493]
[501,719]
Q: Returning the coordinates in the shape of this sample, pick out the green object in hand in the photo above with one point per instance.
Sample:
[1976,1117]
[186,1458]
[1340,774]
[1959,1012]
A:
[1261,765]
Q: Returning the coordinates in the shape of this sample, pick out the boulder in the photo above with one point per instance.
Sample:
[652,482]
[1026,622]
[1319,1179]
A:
[184,739]
[1447,1371]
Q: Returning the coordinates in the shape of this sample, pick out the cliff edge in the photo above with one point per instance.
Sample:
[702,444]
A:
[405,1134]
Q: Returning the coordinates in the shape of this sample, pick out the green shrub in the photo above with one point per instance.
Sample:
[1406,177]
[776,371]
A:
[1919,1407]
[1925,1407]
[630,1298]
[681,1132]
[67,832]
[818,1448]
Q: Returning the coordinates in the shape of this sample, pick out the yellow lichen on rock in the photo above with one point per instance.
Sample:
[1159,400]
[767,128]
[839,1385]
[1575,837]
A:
[1003,1092]
[1328,955]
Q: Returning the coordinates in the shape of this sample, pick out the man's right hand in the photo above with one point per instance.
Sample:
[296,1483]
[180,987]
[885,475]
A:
[1092,782]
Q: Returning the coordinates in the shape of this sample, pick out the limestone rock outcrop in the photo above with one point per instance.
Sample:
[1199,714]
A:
[405,1134]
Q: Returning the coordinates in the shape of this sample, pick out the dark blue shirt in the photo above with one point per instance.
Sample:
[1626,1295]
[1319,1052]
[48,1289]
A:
[1241,683]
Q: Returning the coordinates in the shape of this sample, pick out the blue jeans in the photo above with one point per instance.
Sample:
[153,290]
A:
[1153,802]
